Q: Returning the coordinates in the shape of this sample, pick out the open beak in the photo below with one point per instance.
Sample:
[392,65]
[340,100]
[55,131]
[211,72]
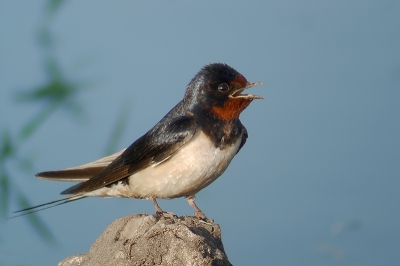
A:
[238,93]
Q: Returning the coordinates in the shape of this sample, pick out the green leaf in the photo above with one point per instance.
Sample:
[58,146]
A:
[4,193]
[7,149]
[55,90]
[74,108]
[44,38]
[33,124]
[53,5]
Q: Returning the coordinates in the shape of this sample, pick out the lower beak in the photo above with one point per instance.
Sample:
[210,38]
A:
[252,96]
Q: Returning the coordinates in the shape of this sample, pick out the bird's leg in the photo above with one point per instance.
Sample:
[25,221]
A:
[158,209]
[198,213]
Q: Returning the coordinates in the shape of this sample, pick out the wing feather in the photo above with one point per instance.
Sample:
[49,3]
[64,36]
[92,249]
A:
[154,147]
[244,138]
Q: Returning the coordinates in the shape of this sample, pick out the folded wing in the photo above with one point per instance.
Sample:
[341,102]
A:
[154,147]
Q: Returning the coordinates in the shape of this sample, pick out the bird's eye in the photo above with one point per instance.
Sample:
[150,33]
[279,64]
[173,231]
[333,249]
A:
[223,87]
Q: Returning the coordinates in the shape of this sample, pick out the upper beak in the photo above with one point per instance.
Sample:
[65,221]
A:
[252,84]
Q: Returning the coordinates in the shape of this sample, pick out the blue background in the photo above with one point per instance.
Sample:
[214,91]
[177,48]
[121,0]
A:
[318,181]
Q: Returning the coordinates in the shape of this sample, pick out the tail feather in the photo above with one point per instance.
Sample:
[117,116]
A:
[45,206]
[70,175]
[80,173]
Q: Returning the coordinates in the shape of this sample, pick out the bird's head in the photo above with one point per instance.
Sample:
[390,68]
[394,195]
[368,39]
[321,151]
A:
[217,89]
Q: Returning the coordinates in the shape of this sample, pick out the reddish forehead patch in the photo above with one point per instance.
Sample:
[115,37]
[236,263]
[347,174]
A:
[231,109]
[239,80]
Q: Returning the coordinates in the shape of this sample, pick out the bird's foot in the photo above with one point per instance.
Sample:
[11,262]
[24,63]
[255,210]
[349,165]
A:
[209,222]
[164,215]
[200,215]
[159,211]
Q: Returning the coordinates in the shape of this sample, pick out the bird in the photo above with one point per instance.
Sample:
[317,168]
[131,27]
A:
[187,150]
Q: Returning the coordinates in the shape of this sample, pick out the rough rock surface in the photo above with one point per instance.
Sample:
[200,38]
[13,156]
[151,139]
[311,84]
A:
[164,239]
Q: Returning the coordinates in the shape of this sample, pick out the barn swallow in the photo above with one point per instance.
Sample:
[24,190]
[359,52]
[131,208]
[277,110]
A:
[182,154]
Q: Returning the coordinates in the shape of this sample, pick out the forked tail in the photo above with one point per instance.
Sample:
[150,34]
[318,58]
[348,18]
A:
[45,206]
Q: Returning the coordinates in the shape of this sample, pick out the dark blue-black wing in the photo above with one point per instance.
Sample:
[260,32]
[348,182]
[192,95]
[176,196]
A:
[244,138]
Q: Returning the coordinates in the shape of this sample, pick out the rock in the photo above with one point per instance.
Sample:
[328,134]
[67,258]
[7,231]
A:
[163,239]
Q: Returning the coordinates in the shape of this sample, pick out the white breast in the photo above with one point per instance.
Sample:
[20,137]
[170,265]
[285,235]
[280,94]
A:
[193,167]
